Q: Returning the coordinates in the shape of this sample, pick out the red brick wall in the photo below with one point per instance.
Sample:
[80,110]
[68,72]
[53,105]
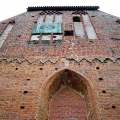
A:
[67,104]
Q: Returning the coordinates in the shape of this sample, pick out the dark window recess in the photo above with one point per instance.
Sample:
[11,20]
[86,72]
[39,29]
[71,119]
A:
[12,22]
[118,21]
[68,33]
[92,16]
[76,19]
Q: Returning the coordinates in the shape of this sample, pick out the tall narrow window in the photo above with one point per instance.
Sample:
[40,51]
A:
[4,35]
[88,27]
[78,27]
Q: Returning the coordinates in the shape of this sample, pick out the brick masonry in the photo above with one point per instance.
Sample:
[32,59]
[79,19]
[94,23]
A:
[30,74]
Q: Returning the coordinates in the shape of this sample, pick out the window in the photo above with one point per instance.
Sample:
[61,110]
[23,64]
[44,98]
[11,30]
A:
[118,21]
[78,27]
[76,19]
[47,27]
[5,33]
[83,27]
[91,34]
[68,33]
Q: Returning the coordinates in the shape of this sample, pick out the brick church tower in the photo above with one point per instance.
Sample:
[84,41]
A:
[60,63]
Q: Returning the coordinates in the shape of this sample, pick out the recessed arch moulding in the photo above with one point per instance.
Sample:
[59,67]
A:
[67,78]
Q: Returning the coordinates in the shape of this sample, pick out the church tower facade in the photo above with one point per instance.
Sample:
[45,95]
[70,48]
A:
[60,63]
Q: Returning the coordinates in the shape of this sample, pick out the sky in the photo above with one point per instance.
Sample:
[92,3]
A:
[10,8]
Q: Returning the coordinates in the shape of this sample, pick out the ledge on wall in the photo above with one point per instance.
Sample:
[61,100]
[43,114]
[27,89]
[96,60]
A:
[62,8]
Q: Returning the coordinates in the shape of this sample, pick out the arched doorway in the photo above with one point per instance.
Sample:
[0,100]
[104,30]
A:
[67,96]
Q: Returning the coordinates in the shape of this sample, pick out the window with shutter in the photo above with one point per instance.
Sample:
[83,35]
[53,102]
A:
[78,27]
[4,35]
[46,27]
[91,34]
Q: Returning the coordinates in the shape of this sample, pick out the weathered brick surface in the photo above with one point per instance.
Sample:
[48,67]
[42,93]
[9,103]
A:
[67,104]
[30,75]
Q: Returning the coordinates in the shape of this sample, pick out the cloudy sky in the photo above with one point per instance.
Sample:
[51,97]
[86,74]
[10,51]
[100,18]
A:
[9,8]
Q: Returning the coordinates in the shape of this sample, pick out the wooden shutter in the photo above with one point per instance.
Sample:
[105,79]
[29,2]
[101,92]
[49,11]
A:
[58,19]
[89,28]
[49,19]
[79,30]
[40,19]
[4,35]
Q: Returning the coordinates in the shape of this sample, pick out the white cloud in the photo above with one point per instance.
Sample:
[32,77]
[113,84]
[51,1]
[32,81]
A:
[9,8]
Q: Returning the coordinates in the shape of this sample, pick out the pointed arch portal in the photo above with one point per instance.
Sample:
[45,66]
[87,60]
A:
[67,96]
